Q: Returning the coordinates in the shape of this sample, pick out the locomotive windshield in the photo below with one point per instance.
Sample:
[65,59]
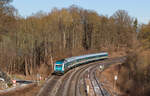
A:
[58,66]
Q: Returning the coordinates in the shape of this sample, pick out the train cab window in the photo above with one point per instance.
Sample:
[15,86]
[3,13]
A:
[58,66]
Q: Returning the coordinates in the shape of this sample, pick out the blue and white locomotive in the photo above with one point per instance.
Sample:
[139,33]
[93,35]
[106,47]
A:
[61,66]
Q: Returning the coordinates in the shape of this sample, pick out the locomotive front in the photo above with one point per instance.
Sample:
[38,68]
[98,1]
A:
[59,67]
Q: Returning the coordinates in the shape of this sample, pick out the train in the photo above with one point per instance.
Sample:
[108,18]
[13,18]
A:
[63,65]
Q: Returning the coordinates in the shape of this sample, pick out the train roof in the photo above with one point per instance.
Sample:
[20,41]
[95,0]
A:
[84,56]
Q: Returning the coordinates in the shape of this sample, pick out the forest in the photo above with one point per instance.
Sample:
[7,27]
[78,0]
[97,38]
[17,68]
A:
[26,44]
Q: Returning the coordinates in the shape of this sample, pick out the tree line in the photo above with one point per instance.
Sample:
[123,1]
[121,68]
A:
[28,43]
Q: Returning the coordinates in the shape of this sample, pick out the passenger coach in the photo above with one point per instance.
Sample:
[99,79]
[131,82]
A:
[61,66]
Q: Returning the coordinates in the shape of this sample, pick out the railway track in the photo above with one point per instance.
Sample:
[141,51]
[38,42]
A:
[97,87]
[72,83]
[49,85]
[69,86]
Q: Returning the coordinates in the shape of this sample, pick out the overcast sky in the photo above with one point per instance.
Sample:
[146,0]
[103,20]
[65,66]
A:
[135,8]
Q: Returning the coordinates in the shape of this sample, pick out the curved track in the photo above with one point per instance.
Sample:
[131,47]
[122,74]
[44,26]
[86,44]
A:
[96,85]
[72,83]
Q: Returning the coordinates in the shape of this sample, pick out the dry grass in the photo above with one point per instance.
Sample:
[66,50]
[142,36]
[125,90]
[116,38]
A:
[107,77]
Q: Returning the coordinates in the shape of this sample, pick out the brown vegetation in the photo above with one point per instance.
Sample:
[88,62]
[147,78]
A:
[26,44]
[134,77]
[144,35]
[31,45]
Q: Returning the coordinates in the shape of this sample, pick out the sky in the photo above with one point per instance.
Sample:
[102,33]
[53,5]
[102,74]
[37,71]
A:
[139,9]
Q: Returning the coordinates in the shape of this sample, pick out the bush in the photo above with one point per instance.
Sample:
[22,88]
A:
[135,74]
